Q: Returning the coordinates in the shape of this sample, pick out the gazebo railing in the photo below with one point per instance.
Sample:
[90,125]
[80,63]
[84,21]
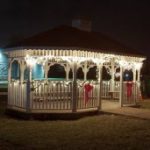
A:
[58,94]
[106,88]
[51,95]
[131,93]
[17,94]
[88,98]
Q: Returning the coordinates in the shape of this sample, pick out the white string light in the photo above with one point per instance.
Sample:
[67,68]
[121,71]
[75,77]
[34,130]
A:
[30,61]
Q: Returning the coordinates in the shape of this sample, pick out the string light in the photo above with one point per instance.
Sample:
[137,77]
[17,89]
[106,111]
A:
[128,64]
[30,61]
[138,65]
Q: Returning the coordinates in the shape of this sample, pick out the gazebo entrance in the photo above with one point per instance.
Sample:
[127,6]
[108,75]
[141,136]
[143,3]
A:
[130,94]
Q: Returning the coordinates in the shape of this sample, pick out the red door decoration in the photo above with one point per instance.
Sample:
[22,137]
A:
[129,89]
[87,88]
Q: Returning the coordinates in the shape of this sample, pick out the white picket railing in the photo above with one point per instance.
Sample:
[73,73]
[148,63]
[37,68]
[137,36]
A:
[92,101]
[51,95]
[106,88]
[130,94]
[58,95]
[17,94]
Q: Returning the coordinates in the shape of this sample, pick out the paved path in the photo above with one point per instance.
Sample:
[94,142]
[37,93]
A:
[129,111]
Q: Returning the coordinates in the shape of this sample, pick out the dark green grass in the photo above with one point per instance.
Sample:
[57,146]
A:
[103,132]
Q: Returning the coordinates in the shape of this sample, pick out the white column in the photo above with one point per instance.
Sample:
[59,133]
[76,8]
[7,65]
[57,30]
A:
[9,70]
[139,74]
[100,84]
[9,82]
[46,68]
[112,74]
[67,69]
[138,83]
[74,87]
[121,87]
[134,75]
[28,100]
[85,70]
[22,69]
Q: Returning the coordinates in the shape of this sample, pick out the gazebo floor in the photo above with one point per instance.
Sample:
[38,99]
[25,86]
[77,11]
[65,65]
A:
[50,116]
[109,104]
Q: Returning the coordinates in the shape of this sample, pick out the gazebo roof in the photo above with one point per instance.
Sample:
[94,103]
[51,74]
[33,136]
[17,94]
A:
[65,36]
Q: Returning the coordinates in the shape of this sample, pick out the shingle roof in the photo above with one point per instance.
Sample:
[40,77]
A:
[65,36]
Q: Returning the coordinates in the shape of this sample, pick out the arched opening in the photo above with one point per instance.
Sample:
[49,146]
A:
[91,75]
[37,72]
[80,74]
[136,75]
[128,75]
[26,74]
[117,74]
[70,74]
[105,74]
[15,71]
[56,71]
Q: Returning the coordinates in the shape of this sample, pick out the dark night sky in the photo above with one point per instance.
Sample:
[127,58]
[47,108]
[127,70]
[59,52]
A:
[128,21]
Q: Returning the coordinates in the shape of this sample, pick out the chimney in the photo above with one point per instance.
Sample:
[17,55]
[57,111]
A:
[82,23]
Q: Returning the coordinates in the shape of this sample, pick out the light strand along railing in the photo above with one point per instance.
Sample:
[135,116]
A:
[17,94]
[131,93]
[53,95]
[87,98]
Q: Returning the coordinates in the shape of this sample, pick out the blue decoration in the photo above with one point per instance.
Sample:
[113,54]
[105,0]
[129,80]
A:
[3,66]
[15,72]
[37,72]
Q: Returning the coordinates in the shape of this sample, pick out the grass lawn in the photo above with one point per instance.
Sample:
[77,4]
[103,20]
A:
[103,132]
[144,104]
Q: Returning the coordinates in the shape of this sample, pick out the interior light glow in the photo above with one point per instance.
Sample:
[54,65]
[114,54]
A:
[30,61]
[0,55]
[138,65]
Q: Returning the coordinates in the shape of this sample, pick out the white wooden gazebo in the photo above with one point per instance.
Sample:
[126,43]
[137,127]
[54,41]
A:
[70,94]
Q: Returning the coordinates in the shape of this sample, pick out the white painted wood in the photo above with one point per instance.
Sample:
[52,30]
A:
[121,87]
[112,74]
[54,95]
[59,95]
[74,86]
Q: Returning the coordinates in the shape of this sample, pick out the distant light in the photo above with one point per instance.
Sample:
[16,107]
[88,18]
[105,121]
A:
[117,74]
[30,61]
[126,75]
[0,54]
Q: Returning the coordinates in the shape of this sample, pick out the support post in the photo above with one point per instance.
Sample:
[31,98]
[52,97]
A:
[85,70]
[67,69]
[139,73]
[121,87]
[9,80]
[28,90]
[22,69]
[138,83]
[74,87]
[100,85]
[134,75]
[9,70]
[134,85]
[112,74]
[46,68]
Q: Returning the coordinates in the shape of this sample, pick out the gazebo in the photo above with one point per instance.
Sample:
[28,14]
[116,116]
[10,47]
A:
[67,70]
